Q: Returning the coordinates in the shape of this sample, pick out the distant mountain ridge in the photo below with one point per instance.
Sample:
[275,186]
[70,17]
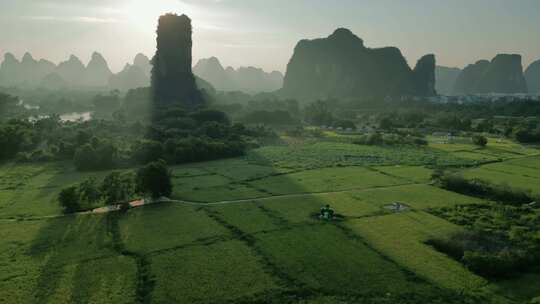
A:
[96,74]
[245,79]
[43,73]
[532,76]
[503,74]
[340,66]
[324,75]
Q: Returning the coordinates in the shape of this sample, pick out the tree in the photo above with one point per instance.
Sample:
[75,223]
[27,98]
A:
[88,191]
[69,199]
[480,140]
[117,187]
[147,151]
[154,179]
[84,158]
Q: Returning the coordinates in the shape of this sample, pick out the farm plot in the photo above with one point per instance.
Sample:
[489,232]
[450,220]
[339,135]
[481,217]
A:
[506,175]
[201,274]
[305,208]
[509,168]
[441,144]
[32,189]
[56,259]
[326,180]
[18,270]
[331,154]
[159,227]
[527,162]
[500,152]
[360,203]
[402,237]
[416,196]
[416,174]
[322,257]
[108,280]
[511,147]
[250,217]
[477,157]
[239,169]
[212,188]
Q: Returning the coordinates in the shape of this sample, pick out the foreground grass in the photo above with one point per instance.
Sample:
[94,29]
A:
[265,245]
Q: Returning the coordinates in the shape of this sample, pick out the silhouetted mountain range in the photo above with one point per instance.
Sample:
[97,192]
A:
[245,79]
[504,74]
[133,76]
[97,74]
[340,66]
[445,79]
[70,73]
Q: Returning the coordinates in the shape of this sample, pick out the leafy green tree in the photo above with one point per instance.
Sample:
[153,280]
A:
[480,140]
[89,191]
[118,187]
[203,116]
[69,199]
[147,151]
[154,179]
[84,158]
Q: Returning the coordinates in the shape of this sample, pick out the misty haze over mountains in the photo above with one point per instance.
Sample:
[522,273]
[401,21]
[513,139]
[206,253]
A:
[503,74]
[245,79]
[72,73]
[339,66]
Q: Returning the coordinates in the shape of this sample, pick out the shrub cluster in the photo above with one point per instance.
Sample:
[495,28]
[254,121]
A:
[501,239]
[152,180]
[454,181]
[115,188]
[487,254]
[390,139]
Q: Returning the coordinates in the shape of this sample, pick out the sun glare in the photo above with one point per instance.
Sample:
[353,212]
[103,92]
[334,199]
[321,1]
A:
[143,14]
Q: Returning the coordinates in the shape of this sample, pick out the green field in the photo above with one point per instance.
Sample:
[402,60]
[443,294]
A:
[246,230]
[520,174]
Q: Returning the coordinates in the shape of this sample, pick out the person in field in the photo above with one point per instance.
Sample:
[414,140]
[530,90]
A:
[327,212]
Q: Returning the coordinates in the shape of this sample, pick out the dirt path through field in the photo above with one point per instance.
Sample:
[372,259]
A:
[144,202]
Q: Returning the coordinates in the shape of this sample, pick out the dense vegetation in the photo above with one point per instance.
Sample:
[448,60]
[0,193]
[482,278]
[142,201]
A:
[501,240]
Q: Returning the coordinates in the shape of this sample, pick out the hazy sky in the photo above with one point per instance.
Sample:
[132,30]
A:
[264,32]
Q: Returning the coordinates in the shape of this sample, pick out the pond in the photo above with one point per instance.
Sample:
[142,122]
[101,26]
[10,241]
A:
[76,116]
[68,117]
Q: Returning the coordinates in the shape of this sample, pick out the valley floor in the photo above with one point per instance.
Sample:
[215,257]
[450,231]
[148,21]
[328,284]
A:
[246,230]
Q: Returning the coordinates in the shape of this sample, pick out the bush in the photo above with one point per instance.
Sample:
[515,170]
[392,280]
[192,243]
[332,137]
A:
[455,182]
[390,139]
[148,151]
[154,179]
[480,140]
[344,124]
[117,187]
[69,199]
[278,117]
[486,254]
[98,155]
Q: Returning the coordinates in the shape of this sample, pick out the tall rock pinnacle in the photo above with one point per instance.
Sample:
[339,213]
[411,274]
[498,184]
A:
[173,82]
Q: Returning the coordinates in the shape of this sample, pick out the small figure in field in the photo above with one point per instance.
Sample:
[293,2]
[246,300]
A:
[327,213]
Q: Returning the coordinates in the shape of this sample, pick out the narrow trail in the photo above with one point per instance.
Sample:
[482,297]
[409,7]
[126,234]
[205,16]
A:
[141,203]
